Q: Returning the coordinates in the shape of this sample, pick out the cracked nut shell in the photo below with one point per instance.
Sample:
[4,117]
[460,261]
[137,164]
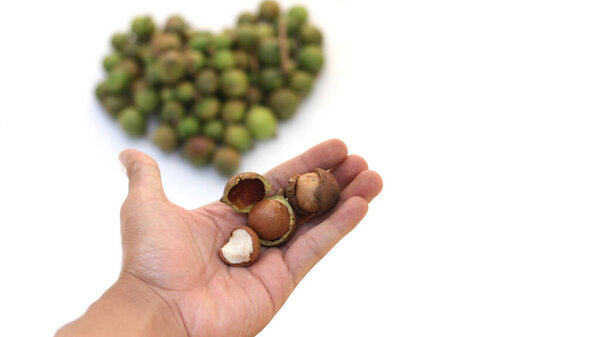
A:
[313,193]
[244,190]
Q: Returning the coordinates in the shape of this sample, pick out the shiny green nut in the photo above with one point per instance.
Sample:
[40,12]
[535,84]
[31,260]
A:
[245,37]
[171,66]
[200,41]
[310,35]
[194,61]
[114,104]
[142,27]
[301,82]
[233,111]
[269,53]
[223,59]
[226,160]
[298,14]
[238,137]
[146,100]
[263,30]
[188,127]
[118,81]
[172,112]
[270,79]
[311,58]
[207,108]
[207,82]
[234,83]
[261,122]
[165,138]
[268,10]
[118,41]
[284,103]
[132,122]
[199,150]
[175,25]
[151,74]
[293,26]
[111,60]
[214,129]
[185,92]
[254,96]
[246,18]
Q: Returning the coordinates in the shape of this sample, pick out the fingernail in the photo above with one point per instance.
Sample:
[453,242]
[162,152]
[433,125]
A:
[123,168]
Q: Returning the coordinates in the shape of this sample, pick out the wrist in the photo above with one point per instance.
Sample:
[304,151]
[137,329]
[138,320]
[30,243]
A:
[129,308]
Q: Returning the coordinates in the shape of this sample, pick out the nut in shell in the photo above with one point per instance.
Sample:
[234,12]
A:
[273,220]
[244,190]
[242,247]
[313,193]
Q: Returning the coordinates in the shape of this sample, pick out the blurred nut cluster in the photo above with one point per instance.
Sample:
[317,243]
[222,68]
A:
[212,94]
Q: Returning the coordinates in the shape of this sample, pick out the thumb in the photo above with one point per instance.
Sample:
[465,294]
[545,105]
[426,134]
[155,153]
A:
[143,174]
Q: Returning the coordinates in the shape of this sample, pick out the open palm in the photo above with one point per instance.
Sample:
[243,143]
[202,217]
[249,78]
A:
[175,251]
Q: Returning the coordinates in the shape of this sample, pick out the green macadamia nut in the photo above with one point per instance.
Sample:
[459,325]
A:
[284,103]
[111,60]
[311,58]
[269,10]
[207,82]
[233,111]
[165,138]
[214,129]
[207,108]
[301,82]
[185,92]
[261,122]
[234,83]
[226,160]
[310,35]
[199,150]
[238,137]
[146,100]
[171,112]
[142,27]
[132,122]
[189,126]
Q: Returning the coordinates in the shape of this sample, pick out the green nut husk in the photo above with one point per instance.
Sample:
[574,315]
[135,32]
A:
[200,41]
[238,137]
[284,103]
[119,41]
[207,108]
[310,35]
[162,42]
[194,61]
[301,82]
[172,112]
[165,138]
[234,83]
[233,111]
[269,53]
[171,66]
[246,18]
[261,122]
[214,129]
[270,79]
[199,150]
[146,100]
[111,60]
[176,25]
[118,81]
[188,127]
[223,60]
[246,37]
[311,58]
[268,10]
[226,160]
[185,92]
[114,104]
[132,122]
[244,190]
[207,82]
[142,27]
[298,13]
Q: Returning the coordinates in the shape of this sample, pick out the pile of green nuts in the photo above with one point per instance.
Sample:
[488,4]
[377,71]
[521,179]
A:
[212,94]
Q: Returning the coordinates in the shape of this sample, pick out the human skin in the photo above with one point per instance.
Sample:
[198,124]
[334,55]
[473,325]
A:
[172,281]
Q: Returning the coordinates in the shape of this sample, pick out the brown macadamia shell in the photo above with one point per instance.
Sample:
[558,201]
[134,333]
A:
[255,247]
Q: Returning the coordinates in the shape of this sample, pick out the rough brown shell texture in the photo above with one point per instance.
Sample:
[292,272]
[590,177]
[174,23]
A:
[244,190]
[255,247]
[274,221]
[326,194]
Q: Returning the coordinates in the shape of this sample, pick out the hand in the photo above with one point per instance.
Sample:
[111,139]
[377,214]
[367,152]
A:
[172,278]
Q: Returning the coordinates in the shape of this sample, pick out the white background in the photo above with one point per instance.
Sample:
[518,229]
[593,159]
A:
[483,118]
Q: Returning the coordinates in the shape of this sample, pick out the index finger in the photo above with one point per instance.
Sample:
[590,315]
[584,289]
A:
[325,155]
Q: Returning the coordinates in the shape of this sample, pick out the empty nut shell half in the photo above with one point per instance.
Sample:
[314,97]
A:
[242,247]
[273,220]
[313,193]
[245,190]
